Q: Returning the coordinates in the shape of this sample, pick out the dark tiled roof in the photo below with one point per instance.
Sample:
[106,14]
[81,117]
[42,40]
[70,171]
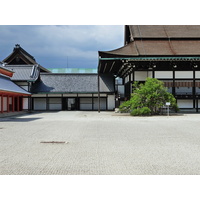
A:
[72,83]
[157,47]
[165,31]
[24,72]
[7,85]
[28,59]
[159,40]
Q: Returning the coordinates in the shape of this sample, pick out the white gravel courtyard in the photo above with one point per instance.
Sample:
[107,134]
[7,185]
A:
[103,143]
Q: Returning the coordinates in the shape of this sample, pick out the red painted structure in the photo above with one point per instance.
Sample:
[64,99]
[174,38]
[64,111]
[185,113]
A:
[10,101]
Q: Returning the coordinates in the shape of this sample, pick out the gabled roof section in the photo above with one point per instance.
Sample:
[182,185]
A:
[24,72]
[73,83]
[21,57]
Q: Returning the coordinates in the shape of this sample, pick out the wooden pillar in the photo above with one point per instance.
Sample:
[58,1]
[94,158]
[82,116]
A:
[99,106]
[92,101]
[22,104]
[173,88]
[13,103]
[153,74]
[2,103]
[194,89]
[7,103]
[17,103]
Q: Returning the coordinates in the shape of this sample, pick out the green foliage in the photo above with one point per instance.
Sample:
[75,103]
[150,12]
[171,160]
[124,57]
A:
[152,95]
[141,111]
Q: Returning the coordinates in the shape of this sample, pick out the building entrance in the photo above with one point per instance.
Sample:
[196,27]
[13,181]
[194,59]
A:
[70,104]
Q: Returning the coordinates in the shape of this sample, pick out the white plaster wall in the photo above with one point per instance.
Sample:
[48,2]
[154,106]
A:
[141,75]
[163,74]
[40,104]
[85,95]
[69,95]
[188,103]
[183,74]
[85,103]
[197,74]
[55,104]
[4,103]
[25,103]
[101,95]
[39,95]
[111,102]
[54,95]
[150,74]
[102,104]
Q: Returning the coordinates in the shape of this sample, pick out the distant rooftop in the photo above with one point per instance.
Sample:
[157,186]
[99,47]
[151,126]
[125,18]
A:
[73,70]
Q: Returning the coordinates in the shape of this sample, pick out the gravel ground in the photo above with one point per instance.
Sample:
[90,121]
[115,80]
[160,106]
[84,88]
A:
[103,143]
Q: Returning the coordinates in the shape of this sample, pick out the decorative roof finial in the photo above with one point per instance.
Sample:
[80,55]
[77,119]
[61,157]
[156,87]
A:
[17,46]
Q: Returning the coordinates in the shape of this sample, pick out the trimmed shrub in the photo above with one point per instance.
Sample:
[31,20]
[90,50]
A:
[145,111]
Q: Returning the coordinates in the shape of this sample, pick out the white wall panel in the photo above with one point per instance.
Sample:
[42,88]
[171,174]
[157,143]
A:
[183,74]
[102,104]
[85,103]
[54,95]
[141,75]
[85,95]
[55,104]
[4,103]
[188,103]
[197,74]
[163,74]
[111,102]
[69,95]
[40,104]
[25,103]
[38,95]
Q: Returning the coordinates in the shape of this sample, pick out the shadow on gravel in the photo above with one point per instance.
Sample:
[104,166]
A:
[20,119]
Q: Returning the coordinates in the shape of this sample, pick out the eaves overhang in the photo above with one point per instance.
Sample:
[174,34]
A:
[166,58]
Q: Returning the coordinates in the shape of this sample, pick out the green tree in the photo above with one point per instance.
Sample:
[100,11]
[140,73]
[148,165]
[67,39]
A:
[152,94]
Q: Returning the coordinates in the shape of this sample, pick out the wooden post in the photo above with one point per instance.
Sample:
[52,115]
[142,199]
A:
[17,103]
[13,103]
[2,103]
[98,94]
[7,103]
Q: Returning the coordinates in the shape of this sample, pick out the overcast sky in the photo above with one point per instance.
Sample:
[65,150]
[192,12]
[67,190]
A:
[62,46]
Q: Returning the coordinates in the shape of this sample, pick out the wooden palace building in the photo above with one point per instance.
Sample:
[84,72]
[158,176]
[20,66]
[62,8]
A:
[55,91]
[170,53]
